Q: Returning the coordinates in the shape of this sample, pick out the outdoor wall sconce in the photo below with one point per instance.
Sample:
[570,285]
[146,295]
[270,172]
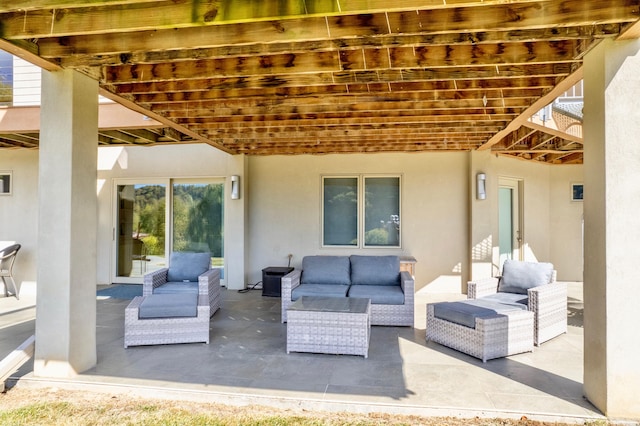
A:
[481,189]
[235,187]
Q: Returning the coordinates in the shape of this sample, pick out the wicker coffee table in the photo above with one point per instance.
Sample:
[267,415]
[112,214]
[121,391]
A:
[329,325]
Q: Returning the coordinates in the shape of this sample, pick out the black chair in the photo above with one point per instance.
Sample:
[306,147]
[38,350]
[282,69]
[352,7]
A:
[7,259]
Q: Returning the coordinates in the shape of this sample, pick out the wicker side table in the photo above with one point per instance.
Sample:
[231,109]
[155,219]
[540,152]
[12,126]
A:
[329,325]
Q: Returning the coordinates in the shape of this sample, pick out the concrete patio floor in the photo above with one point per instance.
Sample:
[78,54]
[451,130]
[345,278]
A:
[246,363]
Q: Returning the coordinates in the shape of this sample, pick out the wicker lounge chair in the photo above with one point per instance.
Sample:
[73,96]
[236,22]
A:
[542,295]
[187,273]
[7,259]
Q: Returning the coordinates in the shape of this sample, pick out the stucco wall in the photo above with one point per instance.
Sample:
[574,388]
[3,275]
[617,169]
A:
[285,194]
[281,205]
[566,223]
[552,222]
[19,211]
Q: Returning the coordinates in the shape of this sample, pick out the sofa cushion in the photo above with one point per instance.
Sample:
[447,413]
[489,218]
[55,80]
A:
[379,294]
[375,270]
[169,306]
[465,312]
[174,287]
[187,266]
[325,290]
[518,277]
[325,270]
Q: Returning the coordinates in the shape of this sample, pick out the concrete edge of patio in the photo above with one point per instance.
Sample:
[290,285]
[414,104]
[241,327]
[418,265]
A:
[163,391]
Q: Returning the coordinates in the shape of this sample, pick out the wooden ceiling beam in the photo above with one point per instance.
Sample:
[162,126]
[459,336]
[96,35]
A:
[266,122]
[295,129]
[373,116]
[366,60]
[474,75]
[76,56]
[196,99]
[30,5]
[425,108]
[562,87]
[135,16]
[205,85]
[350,133]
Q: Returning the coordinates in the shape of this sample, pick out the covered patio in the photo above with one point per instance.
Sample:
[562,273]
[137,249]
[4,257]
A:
[246,363]
[432,93]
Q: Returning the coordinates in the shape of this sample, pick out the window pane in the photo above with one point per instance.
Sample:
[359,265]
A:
[382,211]
[198,219]
[340,199]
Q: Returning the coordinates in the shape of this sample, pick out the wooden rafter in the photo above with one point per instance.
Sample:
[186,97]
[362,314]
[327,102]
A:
[323,76]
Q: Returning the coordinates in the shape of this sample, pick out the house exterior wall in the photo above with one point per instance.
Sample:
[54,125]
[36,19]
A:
[173,161]
[281,207]
[19,211]
[566,223]
[27,81]
[285,217]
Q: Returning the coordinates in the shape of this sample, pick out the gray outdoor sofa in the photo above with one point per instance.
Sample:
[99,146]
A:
[377,278]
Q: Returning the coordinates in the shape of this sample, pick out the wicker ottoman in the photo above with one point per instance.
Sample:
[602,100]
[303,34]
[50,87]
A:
[329,325]
[175,318]
[484,332]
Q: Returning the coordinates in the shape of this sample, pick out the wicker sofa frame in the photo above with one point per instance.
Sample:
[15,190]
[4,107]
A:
[548,303]
[498,336]
[160,331]
[390,315]
[208,285]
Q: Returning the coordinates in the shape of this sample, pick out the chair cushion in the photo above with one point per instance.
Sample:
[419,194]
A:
[174,287]
[187,266]
[325,270]
[379,294]
[168,306]
[518,277]
[516,299]
[465,312]
[325,290]
[375,270]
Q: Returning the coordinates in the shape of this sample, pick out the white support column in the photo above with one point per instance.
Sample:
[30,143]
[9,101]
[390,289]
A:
[67,220]
[612,229]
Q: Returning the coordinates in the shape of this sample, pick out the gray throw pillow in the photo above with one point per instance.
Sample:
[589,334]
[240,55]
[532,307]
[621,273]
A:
[518,277]
[187,266]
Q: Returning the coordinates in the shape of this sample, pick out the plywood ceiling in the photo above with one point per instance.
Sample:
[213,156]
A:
[329,76]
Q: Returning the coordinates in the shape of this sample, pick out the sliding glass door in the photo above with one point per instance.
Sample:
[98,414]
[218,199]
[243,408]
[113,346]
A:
[154,218]
[198,219]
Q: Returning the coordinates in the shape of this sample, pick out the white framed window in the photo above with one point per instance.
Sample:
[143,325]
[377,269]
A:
[361,211]
[6,182]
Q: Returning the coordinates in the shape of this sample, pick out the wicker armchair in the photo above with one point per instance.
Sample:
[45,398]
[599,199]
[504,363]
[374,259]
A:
[7,259]
[187,272]
[547,301]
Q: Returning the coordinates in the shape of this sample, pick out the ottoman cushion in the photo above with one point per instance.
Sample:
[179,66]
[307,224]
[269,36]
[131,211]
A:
[465,312]
[169,306]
